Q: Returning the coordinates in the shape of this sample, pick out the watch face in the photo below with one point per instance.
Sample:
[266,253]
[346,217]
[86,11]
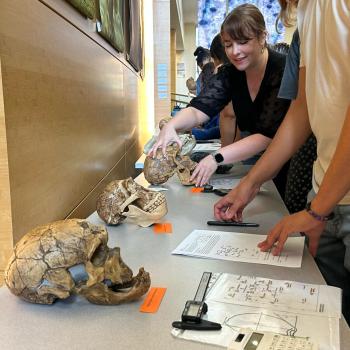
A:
[219,158]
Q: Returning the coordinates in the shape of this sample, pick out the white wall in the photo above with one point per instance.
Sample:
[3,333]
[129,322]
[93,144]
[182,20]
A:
[186,57]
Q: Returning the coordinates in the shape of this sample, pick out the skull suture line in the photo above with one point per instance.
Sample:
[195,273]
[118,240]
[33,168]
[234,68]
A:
[160,169]
[44,265]
[123,199]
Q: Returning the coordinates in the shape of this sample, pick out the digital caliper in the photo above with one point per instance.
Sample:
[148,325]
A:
[191,317]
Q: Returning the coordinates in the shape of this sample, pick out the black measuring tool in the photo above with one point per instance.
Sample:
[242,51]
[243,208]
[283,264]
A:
[232,223]
[194,310]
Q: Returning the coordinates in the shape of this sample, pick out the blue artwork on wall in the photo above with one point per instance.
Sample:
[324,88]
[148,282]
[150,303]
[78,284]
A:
[211,14]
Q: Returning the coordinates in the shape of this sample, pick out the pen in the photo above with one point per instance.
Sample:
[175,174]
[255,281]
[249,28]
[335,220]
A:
[232,223]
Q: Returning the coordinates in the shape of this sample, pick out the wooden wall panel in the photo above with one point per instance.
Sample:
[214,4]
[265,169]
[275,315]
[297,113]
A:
[5,197]
[69,117]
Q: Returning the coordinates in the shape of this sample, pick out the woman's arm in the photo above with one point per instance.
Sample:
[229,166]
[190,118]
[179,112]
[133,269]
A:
[216,96]
[244,148]
[292,133]
[240,150]
[185,120]
[228,129]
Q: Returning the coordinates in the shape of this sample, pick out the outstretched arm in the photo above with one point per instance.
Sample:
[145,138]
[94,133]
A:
[333,188]
[186,119]
[235,152]
[292,133]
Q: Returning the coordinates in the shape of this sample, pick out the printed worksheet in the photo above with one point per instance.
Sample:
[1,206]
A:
[277,295]
[240,247]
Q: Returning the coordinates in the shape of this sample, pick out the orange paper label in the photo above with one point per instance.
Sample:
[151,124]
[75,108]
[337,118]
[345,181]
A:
[197,189]
[153,300]
[164,227]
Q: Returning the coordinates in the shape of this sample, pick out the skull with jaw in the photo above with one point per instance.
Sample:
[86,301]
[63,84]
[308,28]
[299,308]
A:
[44,265]
[160,169]
[123,199]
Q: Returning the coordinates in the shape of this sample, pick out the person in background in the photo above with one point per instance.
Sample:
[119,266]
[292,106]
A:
[251,81]
[322,107]
[210,129]
[218,55]
[206,66]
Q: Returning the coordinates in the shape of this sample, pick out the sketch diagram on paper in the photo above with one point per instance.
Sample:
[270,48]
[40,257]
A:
[275,294]
[263,322]
[323,330]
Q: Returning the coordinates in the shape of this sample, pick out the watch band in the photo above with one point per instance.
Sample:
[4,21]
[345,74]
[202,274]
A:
[318,216]
[218,157]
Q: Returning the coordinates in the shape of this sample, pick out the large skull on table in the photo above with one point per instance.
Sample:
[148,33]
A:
[123,199]
[72,257]
[160,169]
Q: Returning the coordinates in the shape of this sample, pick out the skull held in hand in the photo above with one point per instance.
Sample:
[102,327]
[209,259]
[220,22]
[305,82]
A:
[188,143]
[123,199]
[56,260]
[160,169]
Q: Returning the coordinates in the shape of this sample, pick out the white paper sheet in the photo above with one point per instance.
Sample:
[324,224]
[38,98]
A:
[240,247]
[228,182]
[322,330]
[243,309]
[277,295]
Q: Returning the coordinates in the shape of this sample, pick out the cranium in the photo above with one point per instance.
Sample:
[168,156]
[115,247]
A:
[123,199]
[187,140]
[71,257]
[160,169]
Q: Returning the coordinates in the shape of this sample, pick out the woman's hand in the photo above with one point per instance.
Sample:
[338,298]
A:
[204,170]
[166,136]
[298,222]
[232,205]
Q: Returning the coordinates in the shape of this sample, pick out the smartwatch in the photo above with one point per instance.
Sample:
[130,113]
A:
[318,216]
[218,157]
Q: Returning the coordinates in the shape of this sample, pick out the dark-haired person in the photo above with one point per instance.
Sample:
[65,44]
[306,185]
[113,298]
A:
[210,129]
[251,82]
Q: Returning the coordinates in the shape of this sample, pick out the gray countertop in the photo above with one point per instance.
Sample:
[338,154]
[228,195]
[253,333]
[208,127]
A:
[77,324]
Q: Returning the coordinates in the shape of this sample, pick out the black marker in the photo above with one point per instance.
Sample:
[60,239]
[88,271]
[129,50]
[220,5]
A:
[232,223]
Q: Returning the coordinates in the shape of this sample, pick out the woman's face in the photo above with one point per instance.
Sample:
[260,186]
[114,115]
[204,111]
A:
[243,54]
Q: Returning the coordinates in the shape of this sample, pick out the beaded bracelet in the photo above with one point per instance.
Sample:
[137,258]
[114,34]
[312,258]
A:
[318,216]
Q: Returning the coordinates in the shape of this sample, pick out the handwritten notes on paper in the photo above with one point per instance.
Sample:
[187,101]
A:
[277,295]
[240,247]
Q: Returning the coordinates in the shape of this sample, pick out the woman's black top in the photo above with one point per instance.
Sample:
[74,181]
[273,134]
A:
[263,115]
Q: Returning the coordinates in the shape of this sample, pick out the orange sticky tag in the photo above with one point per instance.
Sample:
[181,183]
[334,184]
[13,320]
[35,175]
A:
[153,300]
[164,227]
[197,189]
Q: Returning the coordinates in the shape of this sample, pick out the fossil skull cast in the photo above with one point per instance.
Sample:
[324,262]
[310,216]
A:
[188,143]
[160,169]
[123,199]
[72,257]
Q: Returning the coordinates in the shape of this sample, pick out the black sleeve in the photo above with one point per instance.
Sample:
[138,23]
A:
[216,95]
